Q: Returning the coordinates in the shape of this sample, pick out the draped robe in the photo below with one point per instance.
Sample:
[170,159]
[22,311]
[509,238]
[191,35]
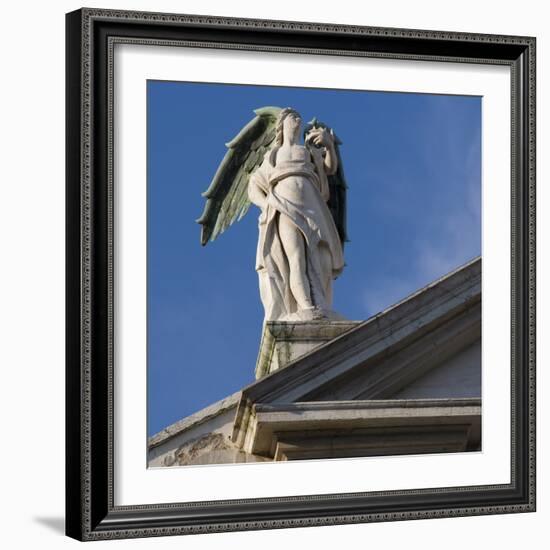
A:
[299,190]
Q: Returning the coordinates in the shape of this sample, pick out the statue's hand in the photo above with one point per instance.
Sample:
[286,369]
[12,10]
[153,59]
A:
[320,137]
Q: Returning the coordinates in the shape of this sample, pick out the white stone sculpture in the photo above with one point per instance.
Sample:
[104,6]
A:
[300,244]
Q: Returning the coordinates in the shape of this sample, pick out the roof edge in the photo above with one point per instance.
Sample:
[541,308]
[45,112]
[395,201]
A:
[195,419]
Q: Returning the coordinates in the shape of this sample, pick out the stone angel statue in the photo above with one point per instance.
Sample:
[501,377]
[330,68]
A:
[301,192]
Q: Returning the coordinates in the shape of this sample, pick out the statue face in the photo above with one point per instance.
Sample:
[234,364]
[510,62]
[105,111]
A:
[292,124]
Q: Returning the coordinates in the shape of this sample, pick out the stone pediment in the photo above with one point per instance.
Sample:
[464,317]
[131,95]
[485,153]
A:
[412,353]
[379,357]
[407,380]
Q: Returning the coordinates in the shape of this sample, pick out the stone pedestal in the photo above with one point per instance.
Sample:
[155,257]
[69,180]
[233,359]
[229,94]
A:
[284,341]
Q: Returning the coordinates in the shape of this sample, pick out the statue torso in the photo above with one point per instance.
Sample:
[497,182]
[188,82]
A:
[294,168]
[295,153]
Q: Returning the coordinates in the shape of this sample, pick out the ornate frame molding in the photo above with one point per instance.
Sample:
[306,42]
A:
[91,35]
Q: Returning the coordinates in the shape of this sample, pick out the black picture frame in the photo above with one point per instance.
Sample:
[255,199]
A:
[90,510]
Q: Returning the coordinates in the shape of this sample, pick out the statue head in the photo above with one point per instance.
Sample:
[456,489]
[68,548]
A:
[288,120]
[292,124]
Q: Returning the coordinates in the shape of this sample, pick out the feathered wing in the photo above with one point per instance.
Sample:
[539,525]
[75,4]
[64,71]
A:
[338,192]
[337,185]
[227,195]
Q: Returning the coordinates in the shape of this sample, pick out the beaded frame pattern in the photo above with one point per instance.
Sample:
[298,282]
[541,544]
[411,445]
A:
[86,146]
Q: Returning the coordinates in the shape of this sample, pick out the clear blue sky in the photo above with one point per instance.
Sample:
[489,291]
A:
[413,166]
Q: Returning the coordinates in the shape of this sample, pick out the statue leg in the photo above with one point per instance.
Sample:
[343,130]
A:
[325,258]
[320,275]
[295,251]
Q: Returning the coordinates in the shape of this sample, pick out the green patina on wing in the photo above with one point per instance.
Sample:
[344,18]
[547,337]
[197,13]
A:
[227,195]
[337,185]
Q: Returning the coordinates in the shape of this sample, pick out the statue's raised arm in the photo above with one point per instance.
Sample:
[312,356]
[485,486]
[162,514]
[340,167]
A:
[300,244]
[336,178]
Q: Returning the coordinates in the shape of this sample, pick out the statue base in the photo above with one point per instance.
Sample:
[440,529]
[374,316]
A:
[313,314]
[285,341]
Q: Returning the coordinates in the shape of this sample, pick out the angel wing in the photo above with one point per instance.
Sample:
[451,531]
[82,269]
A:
[227,195]
[337,184]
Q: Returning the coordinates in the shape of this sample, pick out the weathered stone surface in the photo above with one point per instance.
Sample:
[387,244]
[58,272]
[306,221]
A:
[363,428]
[283,342]
[194,420]
[201,438]
[215,419]
[213,448]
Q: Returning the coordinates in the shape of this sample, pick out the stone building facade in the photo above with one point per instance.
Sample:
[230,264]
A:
[405,381]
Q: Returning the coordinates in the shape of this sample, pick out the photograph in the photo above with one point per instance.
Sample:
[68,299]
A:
[271,275]
[301,274]
[313,273]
